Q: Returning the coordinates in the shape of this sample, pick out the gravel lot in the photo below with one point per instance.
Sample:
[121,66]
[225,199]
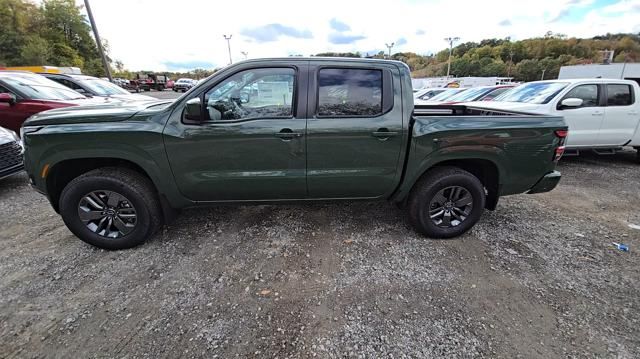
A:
[539,277]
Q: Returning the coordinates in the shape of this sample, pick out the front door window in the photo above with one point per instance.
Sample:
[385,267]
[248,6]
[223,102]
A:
[253,94]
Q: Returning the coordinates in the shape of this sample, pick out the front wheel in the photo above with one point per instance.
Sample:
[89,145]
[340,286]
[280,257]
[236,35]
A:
[111,208]
[446,202]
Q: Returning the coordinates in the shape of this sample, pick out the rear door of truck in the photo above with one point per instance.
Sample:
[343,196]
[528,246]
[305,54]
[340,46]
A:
[621,114]
[354,129]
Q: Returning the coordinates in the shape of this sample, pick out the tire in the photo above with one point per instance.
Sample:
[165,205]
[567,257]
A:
[440,183]
[133,193]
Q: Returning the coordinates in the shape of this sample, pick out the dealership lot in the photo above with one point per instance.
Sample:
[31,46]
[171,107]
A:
[537,277]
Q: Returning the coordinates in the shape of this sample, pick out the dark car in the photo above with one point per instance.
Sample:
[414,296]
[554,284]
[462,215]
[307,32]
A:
[10,153]
[94,87]
[23,94]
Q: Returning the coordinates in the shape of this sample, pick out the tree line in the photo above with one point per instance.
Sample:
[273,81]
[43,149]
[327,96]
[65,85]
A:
[52,33]
[525,60]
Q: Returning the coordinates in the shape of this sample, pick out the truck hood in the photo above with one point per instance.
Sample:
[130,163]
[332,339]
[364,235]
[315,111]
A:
[511,106]
[106,112]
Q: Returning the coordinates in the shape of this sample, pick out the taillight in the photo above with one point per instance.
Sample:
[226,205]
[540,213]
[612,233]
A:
[562,135]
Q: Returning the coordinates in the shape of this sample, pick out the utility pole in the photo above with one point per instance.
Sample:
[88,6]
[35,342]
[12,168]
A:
[98,42]
[450,40]
[389,46]
[228,38]
[245,54]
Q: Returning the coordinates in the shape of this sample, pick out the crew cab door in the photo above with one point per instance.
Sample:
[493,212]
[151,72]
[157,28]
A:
[585,121]
[251,144]
[354,130]
[621,115]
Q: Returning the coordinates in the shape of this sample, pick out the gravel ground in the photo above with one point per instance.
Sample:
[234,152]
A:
[539,277]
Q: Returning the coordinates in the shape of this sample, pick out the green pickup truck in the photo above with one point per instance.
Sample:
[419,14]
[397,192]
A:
[283,130]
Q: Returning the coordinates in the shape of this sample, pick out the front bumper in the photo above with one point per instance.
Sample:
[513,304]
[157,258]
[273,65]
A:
[546,183]
[6,172]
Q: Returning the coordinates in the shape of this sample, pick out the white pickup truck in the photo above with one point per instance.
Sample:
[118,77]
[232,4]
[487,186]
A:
[602,114]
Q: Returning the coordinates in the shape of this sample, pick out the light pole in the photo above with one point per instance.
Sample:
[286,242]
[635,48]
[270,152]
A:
[228,38]
[450,40]
[98,42]
[389,46]
[245,54]
[543,71]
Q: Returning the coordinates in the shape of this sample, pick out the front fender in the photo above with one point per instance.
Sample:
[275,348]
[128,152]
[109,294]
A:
[142,146]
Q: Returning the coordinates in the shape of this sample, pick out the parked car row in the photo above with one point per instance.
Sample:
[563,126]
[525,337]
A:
[23,94]
[603,115]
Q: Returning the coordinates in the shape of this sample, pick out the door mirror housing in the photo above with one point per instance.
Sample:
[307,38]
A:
[193,111]
[7,98]
[244,97]
[571,103]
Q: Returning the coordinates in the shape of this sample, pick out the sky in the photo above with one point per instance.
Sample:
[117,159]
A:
[170,35]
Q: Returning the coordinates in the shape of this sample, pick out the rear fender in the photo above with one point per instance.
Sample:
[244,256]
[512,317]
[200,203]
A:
[493,154]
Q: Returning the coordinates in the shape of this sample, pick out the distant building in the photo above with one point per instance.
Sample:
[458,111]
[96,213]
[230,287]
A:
[628,71]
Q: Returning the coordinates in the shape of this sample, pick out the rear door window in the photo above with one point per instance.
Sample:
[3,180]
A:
[349,92]
[619,95]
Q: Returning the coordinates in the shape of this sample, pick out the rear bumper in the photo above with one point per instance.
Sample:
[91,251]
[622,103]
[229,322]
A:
[546,183]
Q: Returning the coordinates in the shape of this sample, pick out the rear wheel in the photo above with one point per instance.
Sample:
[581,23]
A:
[111,208]
[446,202]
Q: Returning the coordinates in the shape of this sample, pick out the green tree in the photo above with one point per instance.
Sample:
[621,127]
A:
[36,51]
[528,70]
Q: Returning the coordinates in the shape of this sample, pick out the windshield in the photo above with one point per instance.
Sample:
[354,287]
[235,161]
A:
[469,95]
[446,94]
[103,88]
[184,80]
[40,88]
[533,92]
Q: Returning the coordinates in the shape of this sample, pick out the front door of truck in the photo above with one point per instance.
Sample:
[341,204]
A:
[251,145]
[585,121]
[354,131]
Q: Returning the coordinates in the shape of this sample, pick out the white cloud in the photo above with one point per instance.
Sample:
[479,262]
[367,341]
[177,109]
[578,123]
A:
[148,34]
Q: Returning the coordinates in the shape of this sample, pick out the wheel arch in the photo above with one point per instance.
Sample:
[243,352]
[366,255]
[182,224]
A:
[63,172]
[484,164]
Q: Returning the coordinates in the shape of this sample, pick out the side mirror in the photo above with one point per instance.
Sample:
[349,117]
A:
[244,97]
[7,98]
[571,102]
[193,111]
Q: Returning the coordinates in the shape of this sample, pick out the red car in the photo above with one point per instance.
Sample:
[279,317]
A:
[23,94]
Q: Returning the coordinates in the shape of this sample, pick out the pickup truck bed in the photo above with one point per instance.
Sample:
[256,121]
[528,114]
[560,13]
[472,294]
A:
[282,130]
